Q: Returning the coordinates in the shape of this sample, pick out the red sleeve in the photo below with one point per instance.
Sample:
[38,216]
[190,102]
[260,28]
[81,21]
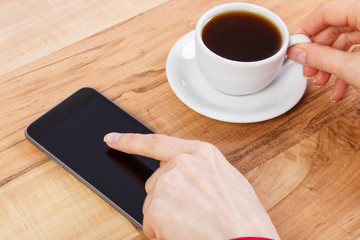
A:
[251,238]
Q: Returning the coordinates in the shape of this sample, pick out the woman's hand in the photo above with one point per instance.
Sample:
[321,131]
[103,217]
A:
[196,193]
[334,28]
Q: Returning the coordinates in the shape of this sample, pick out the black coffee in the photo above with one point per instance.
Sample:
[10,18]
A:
[242,36]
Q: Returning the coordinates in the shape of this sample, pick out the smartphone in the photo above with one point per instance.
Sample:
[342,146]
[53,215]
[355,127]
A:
[72,135]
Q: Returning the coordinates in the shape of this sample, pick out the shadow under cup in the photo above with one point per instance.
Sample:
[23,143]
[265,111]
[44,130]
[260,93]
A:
[240,47]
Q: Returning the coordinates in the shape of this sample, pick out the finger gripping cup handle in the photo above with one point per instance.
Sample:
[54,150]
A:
[295,39]
[298,38]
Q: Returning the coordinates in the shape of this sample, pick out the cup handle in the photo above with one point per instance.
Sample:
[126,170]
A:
[296,39]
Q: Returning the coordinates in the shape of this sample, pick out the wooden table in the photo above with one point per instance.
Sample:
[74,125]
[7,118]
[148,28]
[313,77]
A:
[304,164]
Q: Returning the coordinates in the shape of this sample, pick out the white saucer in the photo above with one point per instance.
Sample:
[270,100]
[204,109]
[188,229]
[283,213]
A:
[191,88]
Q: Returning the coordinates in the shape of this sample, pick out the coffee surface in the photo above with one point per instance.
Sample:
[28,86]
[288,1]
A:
[242,36]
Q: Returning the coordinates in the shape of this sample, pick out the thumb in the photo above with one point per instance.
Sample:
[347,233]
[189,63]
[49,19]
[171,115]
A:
[342,64]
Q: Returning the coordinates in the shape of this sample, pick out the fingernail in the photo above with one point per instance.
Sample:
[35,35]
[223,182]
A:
[297,54]
[314,81]
[332,99]
[111,137]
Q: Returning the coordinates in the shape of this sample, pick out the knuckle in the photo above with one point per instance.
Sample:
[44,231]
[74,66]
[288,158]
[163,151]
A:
[149,184]
[334,33]
[156,206]
[156,139]
[357,22]
[152,141]
[322,10]
[127,139]
[146,204]
[183,162]
[166,179]
[205,148]
[170,182]
[323,5]
[316,58]
[354,18]
[180,158]
[319,60]
[352,70]
[346,39]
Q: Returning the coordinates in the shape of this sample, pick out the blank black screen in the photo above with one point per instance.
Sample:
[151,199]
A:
[77,141]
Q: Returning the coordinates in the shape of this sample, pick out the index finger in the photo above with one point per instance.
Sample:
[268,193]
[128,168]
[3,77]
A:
[337,14]
[157,146]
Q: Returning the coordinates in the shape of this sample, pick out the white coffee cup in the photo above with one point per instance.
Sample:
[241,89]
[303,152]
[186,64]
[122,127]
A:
[236,77]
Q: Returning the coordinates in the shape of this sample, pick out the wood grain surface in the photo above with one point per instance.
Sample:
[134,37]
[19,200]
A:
[304,164]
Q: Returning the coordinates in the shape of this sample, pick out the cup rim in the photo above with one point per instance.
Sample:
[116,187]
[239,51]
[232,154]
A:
[208,15]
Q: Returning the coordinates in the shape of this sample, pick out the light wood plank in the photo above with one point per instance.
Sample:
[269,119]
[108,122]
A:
[30,30]
[28,201]
[317,182]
